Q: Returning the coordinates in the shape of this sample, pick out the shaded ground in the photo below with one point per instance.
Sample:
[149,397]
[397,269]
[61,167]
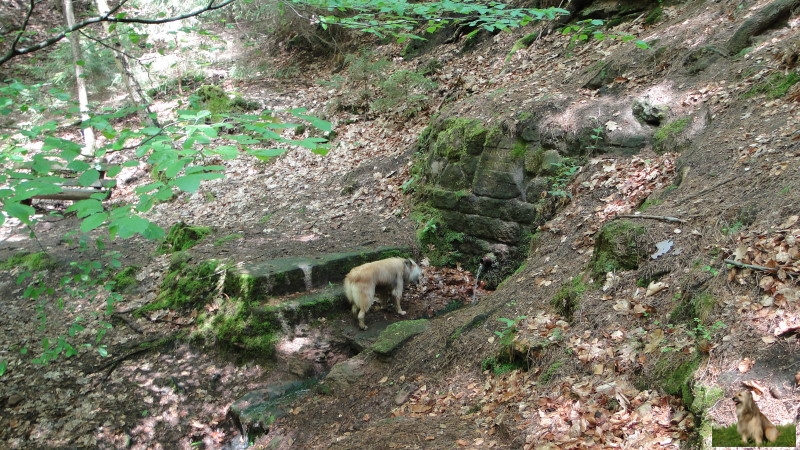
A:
[740,173]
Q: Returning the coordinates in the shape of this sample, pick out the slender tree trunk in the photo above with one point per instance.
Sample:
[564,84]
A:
[132,85]
[83,97]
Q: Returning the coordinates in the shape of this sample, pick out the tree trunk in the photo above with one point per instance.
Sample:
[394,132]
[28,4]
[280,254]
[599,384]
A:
[133,87]
[83,97]
[761,21]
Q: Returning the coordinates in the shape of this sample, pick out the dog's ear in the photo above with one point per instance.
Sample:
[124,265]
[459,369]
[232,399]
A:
[409,263]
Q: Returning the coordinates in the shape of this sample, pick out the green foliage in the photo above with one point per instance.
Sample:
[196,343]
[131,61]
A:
[437,241]
[498,367]
[564,171]
[674,374]
[217,101]
[176,86]
[403,93]
[596,136]
[54,67]
[400,18]
[650,202]
[566,300]
[729,437]
[776,85]
[367,86]
[654,16]
[176,152]
[583,30]
[511,355]
[243,325]
[182,237]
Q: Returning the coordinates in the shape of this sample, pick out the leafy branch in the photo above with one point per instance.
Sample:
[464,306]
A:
[112,16]
[398,18]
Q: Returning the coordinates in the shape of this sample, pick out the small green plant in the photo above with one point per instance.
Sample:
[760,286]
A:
[565,170]
[566,300]
[583,30]
[182,237]
[733,228]
[776,85]
[595,136]
[702,332]
[710,269]
[551,371]
[3,367]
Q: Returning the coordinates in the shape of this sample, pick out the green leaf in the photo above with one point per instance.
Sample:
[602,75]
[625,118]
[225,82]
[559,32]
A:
[191,183]
[86,207]
[93,221]
[89,177]
[266,153]
[323,125]
[126,227]
[20,211]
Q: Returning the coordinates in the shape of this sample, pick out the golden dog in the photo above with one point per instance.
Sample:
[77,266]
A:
[390,273]
[752,423]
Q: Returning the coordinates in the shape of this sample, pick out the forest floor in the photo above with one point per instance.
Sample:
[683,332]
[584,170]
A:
[594,388]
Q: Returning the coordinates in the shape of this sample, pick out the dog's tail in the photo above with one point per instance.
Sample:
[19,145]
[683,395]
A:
[350,293]
[771,433]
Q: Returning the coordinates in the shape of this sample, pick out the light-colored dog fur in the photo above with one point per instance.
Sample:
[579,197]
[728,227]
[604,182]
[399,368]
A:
[391,273]
[752,424]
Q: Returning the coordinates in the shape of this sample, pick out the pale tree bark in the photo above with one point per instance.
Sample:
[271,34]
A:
[83,97]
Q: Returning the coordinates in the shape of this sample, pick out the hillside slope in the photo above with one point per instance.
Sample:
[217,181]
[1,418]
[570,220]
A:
[610,363]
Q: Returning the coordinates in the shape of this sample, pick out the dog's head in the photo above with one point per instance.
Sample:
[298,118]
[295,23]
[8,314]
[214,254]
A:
[412,271]
[743,397]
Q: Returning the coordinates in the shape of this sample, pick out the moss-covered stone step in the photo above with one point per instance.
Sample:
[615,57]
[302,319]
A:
[283,276]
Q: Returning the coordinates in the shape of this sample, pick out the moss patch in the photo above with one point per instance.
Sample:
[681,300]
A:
[186,285]
[666,135]
[455,138]
[776,85]
[242,325]
[674,374]
[30,261]
[395,334]
[125,278]
[567,299]
[182,237]
[616,249]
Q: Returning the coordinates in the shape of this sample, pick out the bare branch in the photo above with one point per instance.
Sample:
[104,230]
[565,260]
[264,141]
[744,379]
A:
[647,216]
[14,51]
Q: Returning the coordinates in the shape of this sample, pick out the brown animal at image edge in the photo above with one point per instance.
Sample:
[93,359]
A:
[752,424]
[390,273]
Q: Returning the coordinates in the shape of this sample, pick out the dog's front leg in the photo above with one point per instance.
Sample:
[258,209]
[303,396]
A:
[397,293]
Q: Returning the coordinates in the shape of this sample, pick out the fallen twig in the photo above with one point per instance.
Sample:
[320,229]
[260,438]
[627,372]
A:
[647,216]
[750,266]
[790,272]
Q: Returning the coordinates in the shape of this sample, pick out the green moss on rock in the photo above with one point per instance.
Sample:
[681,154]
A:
[616,248]
[182,237]
[396,334]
